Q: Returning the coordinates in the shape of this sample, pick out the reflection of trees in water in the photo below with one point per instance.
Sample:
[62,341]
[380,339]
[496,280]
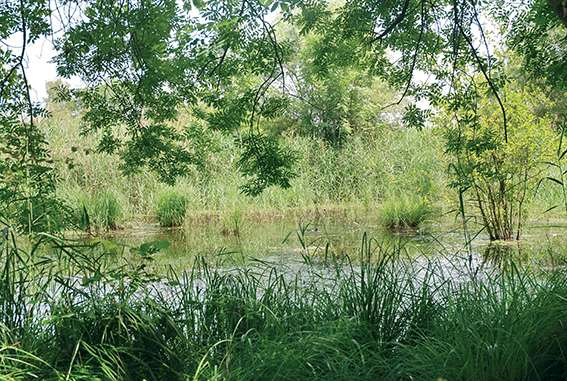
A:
[503,255]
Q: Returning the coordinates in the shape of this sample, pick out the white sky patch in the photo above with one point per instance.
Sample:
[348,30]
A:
[39,65]
[38,60]
[39,68]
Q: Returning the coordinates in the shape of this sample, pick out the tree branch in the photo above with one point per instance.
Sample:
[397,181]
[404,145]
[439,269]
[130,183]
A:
[401,16]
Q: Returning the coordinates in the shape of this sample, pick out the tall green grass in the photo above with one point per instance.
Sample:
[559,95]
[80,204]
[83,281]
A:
[98,211]
[171,208]
[365,170]
[83,313]
[405,212]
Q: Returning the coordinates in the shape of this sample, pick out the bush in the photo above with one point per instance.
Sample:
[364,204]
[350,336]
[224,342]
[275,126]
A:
[405,212]
[171,208]
[499,170]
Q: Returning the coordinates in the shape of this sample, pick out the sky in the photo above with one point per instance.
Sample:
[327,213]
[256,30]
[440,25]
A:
[39,56]
[39,68]
[38,63]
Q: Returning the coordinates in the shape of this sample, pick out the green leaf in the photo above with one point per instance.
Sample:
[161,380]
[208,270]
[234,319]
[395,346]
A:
[550,163]
[199,4]
[97,276]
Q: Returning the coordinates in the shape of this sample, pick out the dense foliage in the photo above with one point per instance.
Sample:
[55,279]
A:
[501,175]
[143,60]
[184,106]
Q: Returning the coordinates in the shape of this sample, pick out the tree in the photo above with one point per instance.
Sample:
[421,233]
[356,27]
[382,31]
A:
[330,100]
[142,60]
[26,177]
[500,175]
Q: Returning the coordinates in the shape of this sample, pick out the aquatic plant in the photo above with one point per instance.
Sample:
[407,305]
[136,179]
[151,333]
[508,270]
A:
[100,210]
[107,210]
[171,208]
[81,314]
[404,212]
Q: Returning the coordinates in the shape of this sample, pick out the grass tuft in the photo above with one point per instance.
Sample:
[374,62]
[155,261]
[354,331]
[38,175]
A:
[406,212]
[171,209]
[99,211]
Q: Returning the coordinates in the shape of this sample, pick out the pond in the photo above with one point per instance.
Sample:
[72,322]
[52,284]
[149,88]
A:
[285,239]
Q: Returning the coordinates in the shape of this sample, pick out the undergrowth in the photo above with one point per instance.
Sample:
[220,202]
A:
[363,171]
[84,313]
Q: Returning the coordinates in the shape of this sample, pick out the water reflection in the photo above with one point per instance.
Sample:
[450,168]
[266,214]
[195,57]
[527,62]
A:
[503,254]
[292,239]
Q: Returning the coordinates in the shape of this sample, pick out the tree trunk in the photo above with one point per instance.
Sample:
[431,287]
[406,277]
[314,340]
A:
[560,9]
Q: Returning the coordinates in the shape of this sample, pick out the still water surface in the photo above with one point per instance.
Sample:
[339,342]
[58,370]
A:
[288,240]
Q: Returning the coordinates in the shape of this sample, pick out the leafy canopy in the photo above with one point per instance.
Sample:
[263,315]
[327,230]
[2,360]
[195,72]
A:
[143,61]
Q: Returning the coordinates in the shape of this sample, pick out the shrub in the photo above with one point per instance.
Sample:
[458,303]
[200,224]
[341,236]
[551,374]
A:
[498,170]
[171,208]
[405,212]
